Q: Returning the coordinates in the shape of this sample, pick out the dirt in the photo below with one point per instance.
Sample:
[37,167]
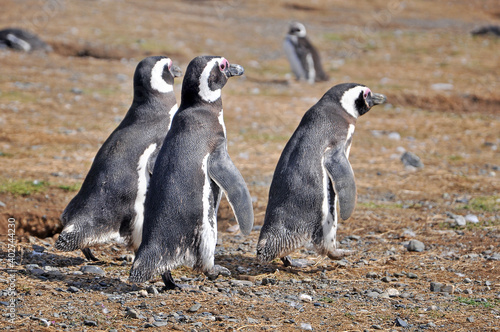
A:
[58,108]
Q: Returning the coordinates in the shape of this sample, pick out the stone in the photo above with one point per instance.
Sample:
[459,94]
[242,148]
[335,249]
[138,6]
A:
[412,275]
[436,286]
[129,312]
[372,275]
[92,269]
[392,292]
[143,293]
[306,327]
[416,245]
[450,289]
[470,319]
[305,297]
[73,289]
[195,307]
[400,322]
[471,218]
[373,295]
[411,159]
[89,323]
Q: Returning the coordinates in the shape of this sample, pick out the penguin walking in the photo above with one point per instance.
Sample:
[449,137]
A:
[110,203]
[192,170]
[304,59]
[314,176]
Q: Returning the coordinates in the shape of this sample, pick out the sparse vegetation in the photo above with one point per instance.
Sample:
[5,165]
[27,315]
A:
[22,187]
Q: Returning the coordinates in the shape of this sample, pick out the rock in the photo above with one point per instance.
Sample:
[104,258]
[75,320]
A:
[416,245]
[411,159]
[195,307]
[2,204]
[470,319]
[92,269]
[160,323]
[412,275]
[494,257]
[376,327]
[306,327]
[268,281]
[372,295]
[394,136]
[400,322]
[472,218]
[233,229]
[152,290]
[450,289]
[305,297]
[392,292]
[372,275]
[73,289]
[241,283]
[38,248]
[89,323]
[143,293]
[129,312]
[436,286]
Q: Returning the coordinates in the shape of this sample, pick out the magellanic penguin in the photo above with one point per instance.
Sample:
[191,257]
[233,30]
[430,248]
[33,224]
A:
[314,176]
[22,40]
[304,59]
[110,203]
[192,170]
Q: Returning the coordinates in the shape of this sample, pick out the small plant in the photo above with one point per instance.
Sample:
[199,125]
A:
[23,187]
[70,187]
[326,299]
[476,302]
[484,203]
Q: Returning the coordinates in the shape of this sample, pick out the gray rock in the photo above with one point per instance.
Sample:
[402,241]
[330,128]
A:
[2,204]
[241,283]
[306,327]
[90,323]
[436,286]
[129,312]
[376,327]
[373,295]
[494,257]
[400,322]
[416,245]
[442,86]
[73,289]
[412,275]
[411,159]
[392,292]
[152,290]
[195,307]
[394,136]
[470,319]
[160,323]
[252,321]
[372,275]
[92,269]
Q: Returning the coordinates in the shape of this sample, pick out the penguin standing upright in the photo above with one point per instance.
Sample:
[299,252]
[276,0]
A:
[110,203]
[191,171]
[314,175]
[302,55]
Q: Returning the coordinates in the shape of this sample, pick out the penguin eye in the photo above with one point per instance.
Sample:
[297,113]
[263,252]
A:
[224,64]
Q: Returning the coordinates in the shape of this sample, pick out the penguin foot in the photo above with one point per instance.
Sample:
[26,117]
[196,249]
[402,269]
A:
[170,283]
[89,255]
[338,254]
[217,270]
[287,261]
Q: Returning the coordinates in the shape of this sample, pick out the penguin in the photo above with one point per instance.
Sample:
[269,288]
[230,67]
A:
[313,177]
[22,40]
[110,203]
[303,57]
[192,170]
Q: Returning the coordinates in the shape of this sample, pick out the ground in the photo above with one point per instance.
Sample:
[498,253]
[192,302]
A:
[443,94]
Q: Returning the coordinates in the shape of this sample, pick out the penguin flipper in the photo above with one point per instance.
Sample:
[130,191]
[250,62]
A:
[222,170]
[341,174]
[295,63]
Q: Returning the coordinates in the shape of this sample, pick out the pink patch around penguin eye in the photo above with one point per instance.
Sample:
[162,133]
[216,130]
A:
[224,64]
[367,93]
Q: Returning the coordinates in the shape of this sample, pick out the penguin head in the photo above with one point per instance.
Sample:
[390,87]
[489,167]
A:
[154,75]
[69,239]
[355,99]
[297,29]
[205,77]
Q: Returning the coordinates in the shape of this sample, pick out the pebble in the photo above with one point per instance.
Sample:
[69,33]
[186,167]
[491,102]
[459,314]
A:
[241,283]
[305,297]
[416,245]
[412,275]
[442,86]
[73,289]
[372,275]
[400,322]
[143,293]
[411,159]
[306,326]
[2,204]
[470,319]
[195,307]
[392,292]
[471,218]
[394,136]
[376,327]
[152,290]
[373,295]
[90,323]
[129,312]
[91,269]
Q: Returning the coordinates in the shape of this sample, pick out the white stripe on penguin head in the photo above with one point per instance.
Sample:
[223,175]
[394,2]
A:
[205,92]
[157,81]
[348,100]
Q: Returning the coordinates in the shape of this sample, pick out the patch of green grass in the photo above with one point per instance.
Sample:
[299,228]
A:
[326,299]
[20,96]
[70,187]
[23,187]
[455,158]
[372,205]
[333,37]
[484,204]
[477,302]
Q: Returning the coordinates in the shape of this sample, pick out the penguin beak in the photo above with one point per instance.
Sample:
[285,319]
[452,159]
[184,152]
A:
[175,71]
[376,99]
[234,70]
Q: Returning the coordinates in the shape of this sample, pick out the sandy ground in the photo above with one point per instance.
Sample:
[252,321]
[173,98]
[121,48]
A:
[443,95]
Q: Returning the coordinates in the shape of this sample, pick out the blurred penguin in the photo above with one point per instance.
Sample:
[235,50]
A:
[303,57]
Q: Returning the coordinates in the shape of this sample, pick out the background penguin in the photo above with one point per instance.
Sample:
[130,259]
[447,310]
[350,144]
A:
[313,175]
[192,170]
[303,57]
[22,40]
[110,203]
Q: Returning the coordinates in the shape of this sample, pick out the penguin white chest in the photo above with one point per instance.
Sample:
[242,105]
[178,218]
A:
[348,140]
[142,187]
[329,212]
[208,228]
